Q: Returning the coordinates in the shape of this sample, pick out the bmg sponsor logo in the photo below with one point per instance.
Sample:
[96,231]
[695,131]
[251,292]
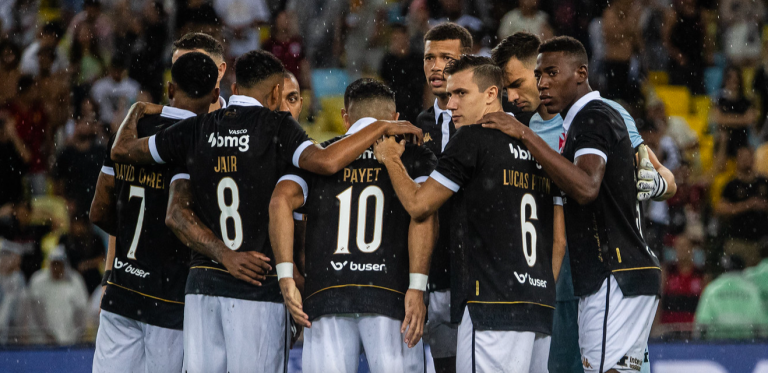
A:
[239,141]
[523,154]
[362,267]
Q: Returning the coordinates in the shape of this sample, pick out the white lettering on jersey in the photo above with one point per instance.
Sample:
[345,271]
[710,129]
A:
[523,154]
[367,154]
[130,269]
[359,266]
[239,142]
[532,281]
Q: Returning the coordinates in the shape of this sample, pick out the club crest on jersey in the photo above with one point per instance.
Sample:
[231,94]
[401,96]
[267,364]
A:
[238,141]
[520,153]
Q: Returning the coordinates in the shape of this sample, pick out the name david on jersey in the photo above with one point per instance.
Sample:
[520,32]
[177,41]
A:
[236,138]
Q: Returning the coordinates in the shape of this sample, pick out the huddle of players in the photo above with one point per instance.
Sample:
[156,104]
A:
[232,179]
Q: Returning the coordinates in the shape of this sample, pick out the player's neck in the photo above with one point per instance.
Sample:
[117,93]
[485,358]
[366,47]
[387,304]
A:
[199,108]
[581,91]
[217,105]
[544,114]
[442,102]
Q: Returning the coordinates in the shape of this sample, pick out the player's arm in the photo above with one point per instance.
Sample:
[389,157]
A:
[654,181]
[558,240]
[287,197]
[299,229]
[421,240]
[249,266]
[580,180]
[331,159]
[420,200]
[102,212]
[128,147]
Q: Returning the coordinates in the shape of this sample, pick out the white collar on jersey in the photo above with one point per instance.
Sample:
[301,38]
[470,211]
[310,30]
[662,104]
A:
[223,102]
[360,124]
[176,113]
[577,106]
[239,100]
[439,111]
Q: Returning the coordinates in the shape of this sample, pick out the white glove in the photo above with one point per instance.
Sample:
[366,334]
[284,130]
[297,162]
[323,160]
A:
[650,184]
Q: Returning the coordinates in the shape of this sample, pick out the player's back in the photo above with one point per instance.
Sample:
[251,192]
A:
[357,237]
[151,264]
[503,229]
[235,157]
[604,236]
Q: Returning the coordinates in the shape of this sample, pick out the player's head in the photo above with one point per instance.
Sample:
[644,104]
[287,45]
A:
[368,98]
[292,99]
[259,74]
[474,86]
[561,70]
[443,43]
[516,57]
[203,43]
[193,81]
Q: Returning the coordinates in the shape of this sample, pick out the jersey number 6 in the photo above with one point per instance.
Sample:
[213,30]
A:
[528,228]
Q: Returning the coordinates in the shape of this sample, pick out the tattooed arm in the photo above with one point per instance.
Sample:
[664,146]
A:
[128,147]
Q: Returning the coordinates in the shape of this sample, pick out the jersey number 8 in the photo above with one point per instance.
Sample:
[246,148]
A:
[345,207]
[230,212]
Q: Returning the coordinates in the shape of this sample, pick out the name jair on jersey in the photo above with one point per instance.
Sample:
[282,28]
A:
[226,164]
[149,179]
[524,180]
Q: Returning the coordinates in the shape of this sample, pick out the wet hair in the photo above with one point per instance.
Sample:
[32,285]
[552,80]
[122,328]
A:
[568,46]
[202,41]
[195,74]
[485,73]
[450,31]
[367,89]
[523,46]
[255,67]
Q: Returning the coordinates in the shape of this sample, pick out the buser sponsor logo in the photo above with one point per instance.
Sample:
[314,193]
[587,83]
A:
[240,142]
[130,269]
[364,267]
[533,281]
[523,154]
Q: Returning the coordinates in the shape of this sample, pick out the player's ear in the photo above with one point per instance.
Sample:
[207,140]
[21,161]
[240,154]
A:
[171,90]
[582,74]
[222,69]
[234,89]
[215,95]
[396,116]
[491,94]
[345,117]
[276,97]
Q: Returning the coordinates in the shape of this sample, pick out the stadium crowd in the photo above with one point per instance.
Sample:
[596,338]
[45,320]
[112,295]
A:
[693,74]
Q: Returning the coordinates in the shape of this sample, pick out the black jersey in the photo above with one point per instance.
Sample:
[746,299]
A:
[604,236]
[151,264]
[503,230]
[356,250]
[437,130]
[234,157]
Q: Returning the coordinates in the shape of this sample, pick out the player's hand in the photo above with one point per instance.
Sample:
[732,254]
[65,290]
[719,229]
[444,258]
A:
[249,266]
[402,128]
[147,108]
[505,123]
[415,313]
[388,148]
[646,174]
[292,298]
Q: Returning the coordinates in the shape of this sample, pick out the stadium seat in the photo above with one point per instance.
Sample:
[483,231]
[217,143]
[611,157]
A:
[676,98]
[658,78]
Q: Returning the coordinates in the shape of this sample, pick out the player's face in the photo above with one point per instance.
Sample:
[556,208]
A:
[520,84]
[220,64]
[436,55]
[292,100]
[465,101]
[557,83]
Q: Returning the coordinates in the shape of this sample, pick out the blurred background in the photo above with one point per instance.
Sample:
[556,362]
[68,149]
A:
[693,73]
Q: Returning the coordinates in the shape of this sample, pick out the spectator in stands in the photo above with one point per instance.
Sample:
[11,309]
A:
[683,283]
[33,128]
[53,87]
[15,159]
[241,18]
[730,306]
[9,71]
[744,207]
[740,21]
[16,226]
[733,112]
[13,293]
[77,166]
[286,44]
[85,251]
[86,56]
[100,23]
[49,37]
[683,35]
[760,84]
[116,92]
[401,71]
[526,17]
[60,299]
[196,16]
[622,39]
[145,67]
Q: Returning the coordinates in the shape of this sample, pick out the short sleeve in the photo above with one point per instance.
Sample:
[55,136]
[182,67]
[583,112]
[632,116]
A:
[301,177]
[292,140]
[420,163]
[557,195]
[171,144]
[108,167]
[592,136]
[456,165]
[179,172]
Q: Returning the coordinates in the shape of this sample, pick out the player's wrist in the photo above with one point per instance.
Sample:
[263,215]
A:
[418,281]
[284,270]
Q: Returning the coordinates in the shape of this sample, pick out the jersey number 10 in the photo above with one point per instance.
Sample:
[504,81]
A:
[345,210]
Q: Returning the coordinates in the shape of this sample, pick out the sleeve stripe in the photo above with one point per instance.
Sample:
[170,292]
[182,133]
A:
[585,151]
[446,182]
[106,170]
[558,201]
[153,150]
[421,179]
[297,216]
[299,150]
[179,177]
[298,180]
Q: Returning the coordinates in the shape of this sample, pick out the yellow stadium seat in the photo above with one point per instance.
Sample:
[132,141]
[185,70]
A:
[677,99]
[330,112]
[658,78]
[697,123]
[701,105]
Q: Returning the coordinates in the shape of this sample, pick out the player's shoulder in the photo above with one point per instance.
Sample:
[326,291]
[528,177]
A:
[417,153]
[331,141]
[425,118]
[596,113]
